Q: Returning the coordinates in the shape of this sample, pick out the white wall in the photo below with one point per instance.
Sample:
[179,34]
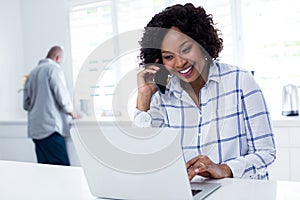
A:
[45,23]
[11,59]
[28,29]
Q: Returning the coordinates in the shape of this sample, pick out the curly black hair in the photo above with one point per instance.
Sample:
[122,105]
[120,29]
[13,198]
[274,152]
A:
[192,21]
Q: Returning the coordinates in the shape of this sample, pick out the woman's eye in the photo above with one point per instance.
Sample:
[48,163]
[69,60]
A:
[186,49]
[167,57]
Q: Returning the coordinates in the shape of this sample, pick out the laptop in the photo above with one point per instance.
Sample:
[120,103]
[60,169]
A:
[121,161]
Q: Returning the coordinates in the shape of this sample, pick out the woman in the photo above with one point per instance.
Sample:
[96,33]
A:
[223,104]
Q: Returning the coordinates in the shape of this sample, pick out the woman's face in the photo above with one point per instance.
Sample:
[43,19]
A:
[182,56]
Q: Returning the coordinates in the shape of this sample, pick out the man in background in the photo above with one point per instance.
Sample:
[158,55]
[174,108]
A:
[48,102]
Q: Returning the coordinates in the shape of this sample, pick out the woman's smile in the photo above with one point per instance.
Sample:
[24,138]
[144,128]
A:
[187,71]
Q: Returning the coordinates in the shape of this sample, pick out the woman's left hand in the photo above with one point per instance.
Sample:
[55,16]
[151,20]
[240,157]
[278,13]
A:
[203,166]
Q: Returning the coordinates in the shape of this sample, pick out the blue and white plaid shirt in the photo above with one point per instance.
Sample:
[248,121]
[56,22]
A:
[232,123]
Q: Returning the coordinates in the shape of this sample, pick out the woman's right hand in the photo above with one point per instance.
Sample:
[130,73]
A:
[146,87]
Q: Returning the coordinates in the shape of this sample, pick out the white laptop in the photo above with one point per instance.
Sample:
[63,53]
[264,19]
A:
[121,161]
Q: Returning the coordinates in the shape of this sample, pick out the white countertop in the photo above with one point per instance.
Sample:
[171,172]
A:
[20,121]
[286,121]
[244,189]
[31,181]
[24,181]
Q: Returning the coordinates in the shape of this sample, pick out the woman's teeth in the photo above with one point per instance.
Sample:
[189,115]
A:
[186,70]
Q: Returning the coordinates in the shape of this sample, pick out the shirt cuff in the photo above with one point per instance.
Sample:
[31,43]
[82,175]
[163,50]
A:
[68,108]
[237,168]
[142,119]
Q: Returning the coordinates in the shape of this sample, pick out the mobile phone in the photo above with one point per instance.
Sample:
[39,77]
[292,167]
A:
[161,79]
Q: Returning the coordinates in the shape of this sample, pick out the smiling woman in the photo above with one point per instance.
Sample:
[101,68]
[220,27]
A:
[221,104]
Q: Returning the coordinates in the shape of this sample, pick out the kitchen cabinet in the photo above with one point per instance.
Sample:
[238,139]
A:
[287,138]
[16,146]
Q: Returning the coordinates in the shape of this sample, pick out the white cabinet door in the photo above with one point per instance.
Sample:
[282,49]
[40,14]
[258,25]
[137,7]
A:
[16,146]
[295,153]
[295,164]
[280,170]
[17,149]
[287,164]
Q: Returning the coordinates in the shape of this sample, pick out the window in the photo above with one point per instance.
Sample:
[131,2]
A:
[272,45]
[91,24]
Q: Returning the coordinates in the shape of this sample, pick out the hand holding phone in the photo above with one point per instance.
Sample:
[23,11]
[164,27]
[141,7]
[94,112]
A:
[146,86]
[161,79]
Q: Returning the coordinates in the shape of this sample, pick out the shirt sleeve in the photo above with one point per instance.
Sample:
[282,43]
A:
[154,117]
[26,95]
[260,139]
[61,93]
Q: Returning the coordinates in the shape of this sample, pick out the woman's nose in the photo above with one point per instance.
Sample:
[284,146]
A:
[180,61]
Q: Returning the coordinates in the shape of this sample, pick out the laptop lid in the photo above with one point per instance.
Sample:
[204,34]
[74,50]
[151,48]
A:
[121,161]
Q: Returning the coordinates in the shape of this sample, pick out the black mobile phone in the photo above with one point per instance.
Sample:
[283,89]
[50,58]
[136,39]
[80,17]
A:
[161,79]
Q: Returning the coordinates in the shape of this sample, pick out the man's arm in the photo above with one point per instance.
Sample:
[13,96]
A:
[26,96]
[60,91]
